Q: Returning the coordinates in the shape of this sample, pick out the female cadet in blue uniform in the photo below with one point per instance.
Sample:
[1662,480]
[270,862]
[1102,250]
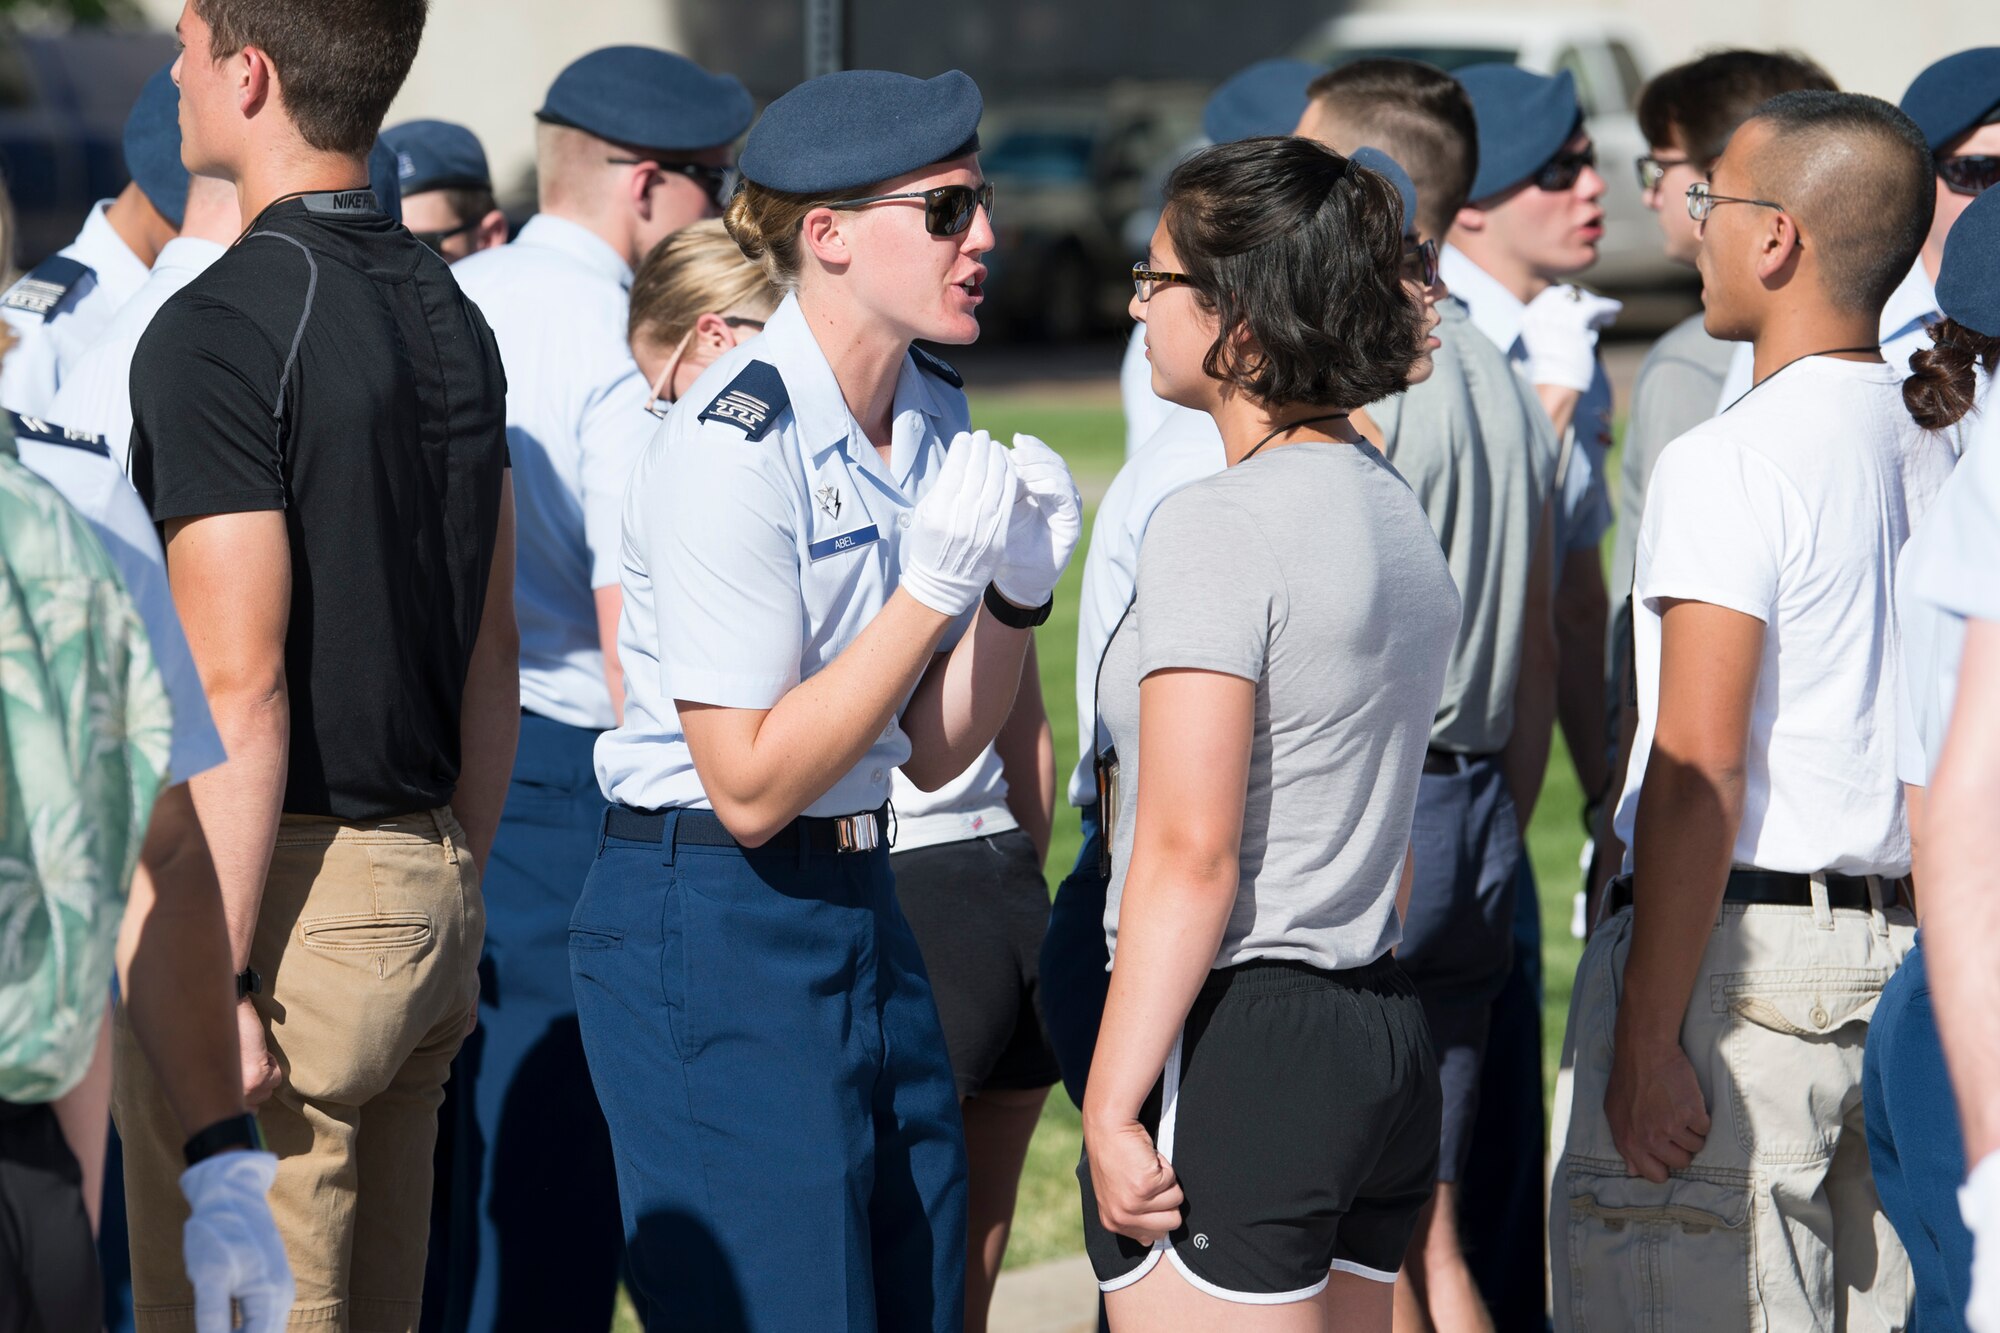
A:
[804,568]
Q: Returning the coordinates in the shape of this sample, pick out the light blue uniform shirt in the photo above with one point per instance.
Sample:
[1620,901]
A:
[1186,448]
[1145,411]
[762,533]
[47,345]
[1945,578]
[1585,513]
[557,299]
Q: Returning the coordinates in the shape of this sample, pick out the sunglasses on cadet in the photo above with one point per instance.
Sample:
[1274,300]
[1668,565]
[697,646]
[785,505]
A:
[718,183]
[1973,175]
[436,239]
[1702,201]
[1653,170]
[1420,265]
[1560,172]
[948,209]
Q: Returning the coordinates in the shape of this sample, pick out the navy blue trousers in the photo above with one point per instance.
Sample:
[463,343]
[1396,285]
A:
[1916,1147]
[761,1032]
[524,1219]
[1075,964]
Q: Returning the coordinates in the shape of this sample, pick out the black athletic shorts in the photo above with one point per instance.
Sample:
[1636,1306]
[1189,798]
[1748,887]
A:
[1299,1108]
[979,908]
[48,1261]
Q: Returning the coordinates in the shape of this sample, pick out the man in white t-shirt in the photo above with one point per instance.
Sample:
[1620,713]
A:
[1716,1128]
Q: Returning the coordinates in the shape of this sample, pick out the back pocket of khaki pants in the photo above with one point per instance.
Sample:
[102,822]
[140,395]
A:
[1658,1258]
[367,932]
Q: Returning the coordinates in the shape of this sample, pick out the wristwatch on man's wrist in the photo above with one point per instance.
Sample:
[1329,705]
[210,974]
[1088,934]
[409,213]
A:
[238,1131]
[249,982]
[1016,617]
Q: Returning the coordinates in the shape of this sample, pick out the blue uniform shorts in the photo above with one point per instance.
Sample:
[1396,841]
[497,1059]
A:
[761,1034]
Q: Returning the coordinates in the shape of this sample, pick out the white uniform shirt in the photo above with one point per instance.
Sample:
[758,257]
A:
[1945,578]
[1186,448]
[762,533]
[96,488]
[47,346]
[557,299]
[1585,515]
[1145,411]
[1793,508]
[96,394]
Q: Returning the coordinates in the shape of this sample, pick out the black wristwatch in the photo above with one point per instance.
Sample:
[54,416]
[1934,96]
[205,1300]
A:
[249,983]
[239,1131]
[1012,616]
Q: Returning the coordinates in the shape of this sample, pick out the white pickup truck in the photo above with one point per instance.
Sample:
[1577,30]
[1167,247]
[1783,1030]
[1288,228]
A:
[1610,61]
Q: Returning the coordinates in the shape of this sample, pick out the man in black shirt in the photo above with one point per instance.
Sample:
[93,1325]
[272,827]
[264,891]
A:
[319,428]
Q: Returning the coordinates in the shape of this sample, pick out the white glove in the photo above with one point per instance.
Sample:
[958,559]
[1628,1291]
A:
[1047,521]
[959,529]
[1979,1205]
[1559,329]
[232,1246]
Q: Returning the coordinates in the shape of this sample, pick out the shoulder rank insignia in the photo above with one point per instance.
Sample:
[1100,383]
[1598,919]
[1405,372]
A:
[43,290]
[936,366]
[34,428]
[752,401]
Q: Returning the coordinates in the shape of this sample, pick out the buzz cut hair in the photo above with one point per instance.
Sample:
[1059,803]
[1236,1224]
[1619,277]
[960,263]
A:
[340,63]
[1856,174]
[1414,112]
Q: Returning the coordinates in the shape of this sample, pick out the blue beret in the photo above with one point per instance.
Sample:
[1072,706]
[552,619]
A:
[1267,98]
[1523,120]
[382,179]
[153,146]
[1385,166]
[1955,94]
[846,130]
[437,155]
[647,98]
[1968,285]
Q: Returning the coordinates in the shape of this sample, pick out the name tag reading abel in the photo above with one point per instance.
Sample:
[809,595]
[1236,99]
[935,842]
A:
[846,541]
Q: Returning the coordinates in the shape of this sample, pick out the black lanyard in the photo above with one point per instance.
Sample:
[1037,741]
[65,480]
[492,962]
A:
[1831,351]
[1290,426]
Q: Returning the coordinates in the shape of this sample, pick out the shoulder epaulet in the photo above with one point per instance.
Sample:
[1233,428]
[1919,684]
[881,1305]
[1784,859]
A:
[46,285]
[937,366]
[34,428]
[752,402]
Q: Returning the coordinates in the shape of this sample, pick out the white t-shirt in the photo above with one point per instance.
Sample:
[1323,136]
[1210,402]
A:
[971,805]
[1793,507]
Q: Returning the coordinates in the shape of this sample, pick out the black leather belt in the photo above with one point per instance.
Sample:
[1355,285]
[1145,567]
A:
[1450,761]
[701,828]
[1772,888]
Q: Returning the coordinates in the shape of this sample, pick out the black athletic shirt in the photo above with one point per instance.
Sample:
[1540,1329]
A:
[328,366]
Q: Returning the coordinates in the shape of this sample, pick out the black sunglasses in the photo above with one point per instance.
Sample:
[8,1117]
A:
[948,209]
[1969,175]
[436,239]
[1420,262]
[718,183]
[1559,173]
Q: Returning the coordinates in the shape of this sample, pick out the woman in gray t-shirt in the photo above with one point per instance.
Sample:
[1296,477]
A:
[1262,1107]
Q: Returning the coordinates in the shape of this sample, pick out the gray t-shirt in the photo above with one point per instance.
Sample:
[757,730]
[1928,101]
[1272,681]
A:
[1311,570]
[1480,454]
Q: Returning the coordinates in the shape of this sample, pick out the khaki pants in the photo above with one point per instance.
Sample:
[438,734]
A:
[368,943]
[1776,1225]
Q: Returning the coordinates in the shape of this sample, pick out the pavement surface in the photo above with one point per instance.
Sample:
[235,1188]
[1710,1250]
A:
[1055,1297]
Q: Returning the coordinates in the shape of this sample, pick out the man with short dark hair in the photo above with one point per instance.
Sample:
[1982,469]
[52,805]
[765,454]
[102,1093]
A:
[319,428]
[447,190]
[1715,1171]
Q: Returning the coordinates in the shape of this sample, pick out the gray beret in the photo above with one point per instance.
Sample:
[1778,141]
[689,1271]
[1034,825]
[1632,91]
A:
[1955,94]
[846,130]
[437,155]
[1968,285]
[1266,99]
[153,146]
[647,98]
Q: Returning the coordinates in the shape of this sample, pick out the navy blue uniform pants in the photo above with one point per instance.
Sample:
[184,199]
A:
[524,1228]
[762,1035]
[1915,1145]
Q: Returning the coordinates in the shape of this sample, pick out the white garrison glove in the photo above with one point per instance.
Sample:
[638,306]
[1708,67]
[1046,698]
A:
[959,529]
[231,1244]
[1979,1205]
[1047,521]
[1559,329]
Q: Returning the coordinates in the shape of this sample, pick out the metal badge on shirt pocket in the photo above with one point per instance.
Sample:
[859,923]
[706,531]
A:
[840,519]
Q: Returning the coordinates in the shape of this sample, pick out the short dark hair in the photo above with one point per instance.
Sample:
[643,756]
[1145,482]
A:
[1856,173]
[469,203]
[1285,240]
[1417,114]
[341,62]
[1701,103]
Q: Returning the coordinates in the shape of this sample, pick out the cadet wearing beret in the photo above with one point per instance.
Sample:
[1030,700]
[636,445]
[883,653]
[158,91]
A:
[447,190]
[1956,104]
[817,590]
[65,301]
[633,144]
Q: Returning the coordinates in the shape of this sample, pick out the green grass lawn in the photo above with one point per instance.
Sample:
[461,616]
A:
[1048,1224]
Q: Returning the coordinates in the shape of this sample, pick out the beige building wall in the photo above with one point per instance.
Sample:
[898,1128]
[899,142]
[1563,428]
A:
[1869,46]
[486,63]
